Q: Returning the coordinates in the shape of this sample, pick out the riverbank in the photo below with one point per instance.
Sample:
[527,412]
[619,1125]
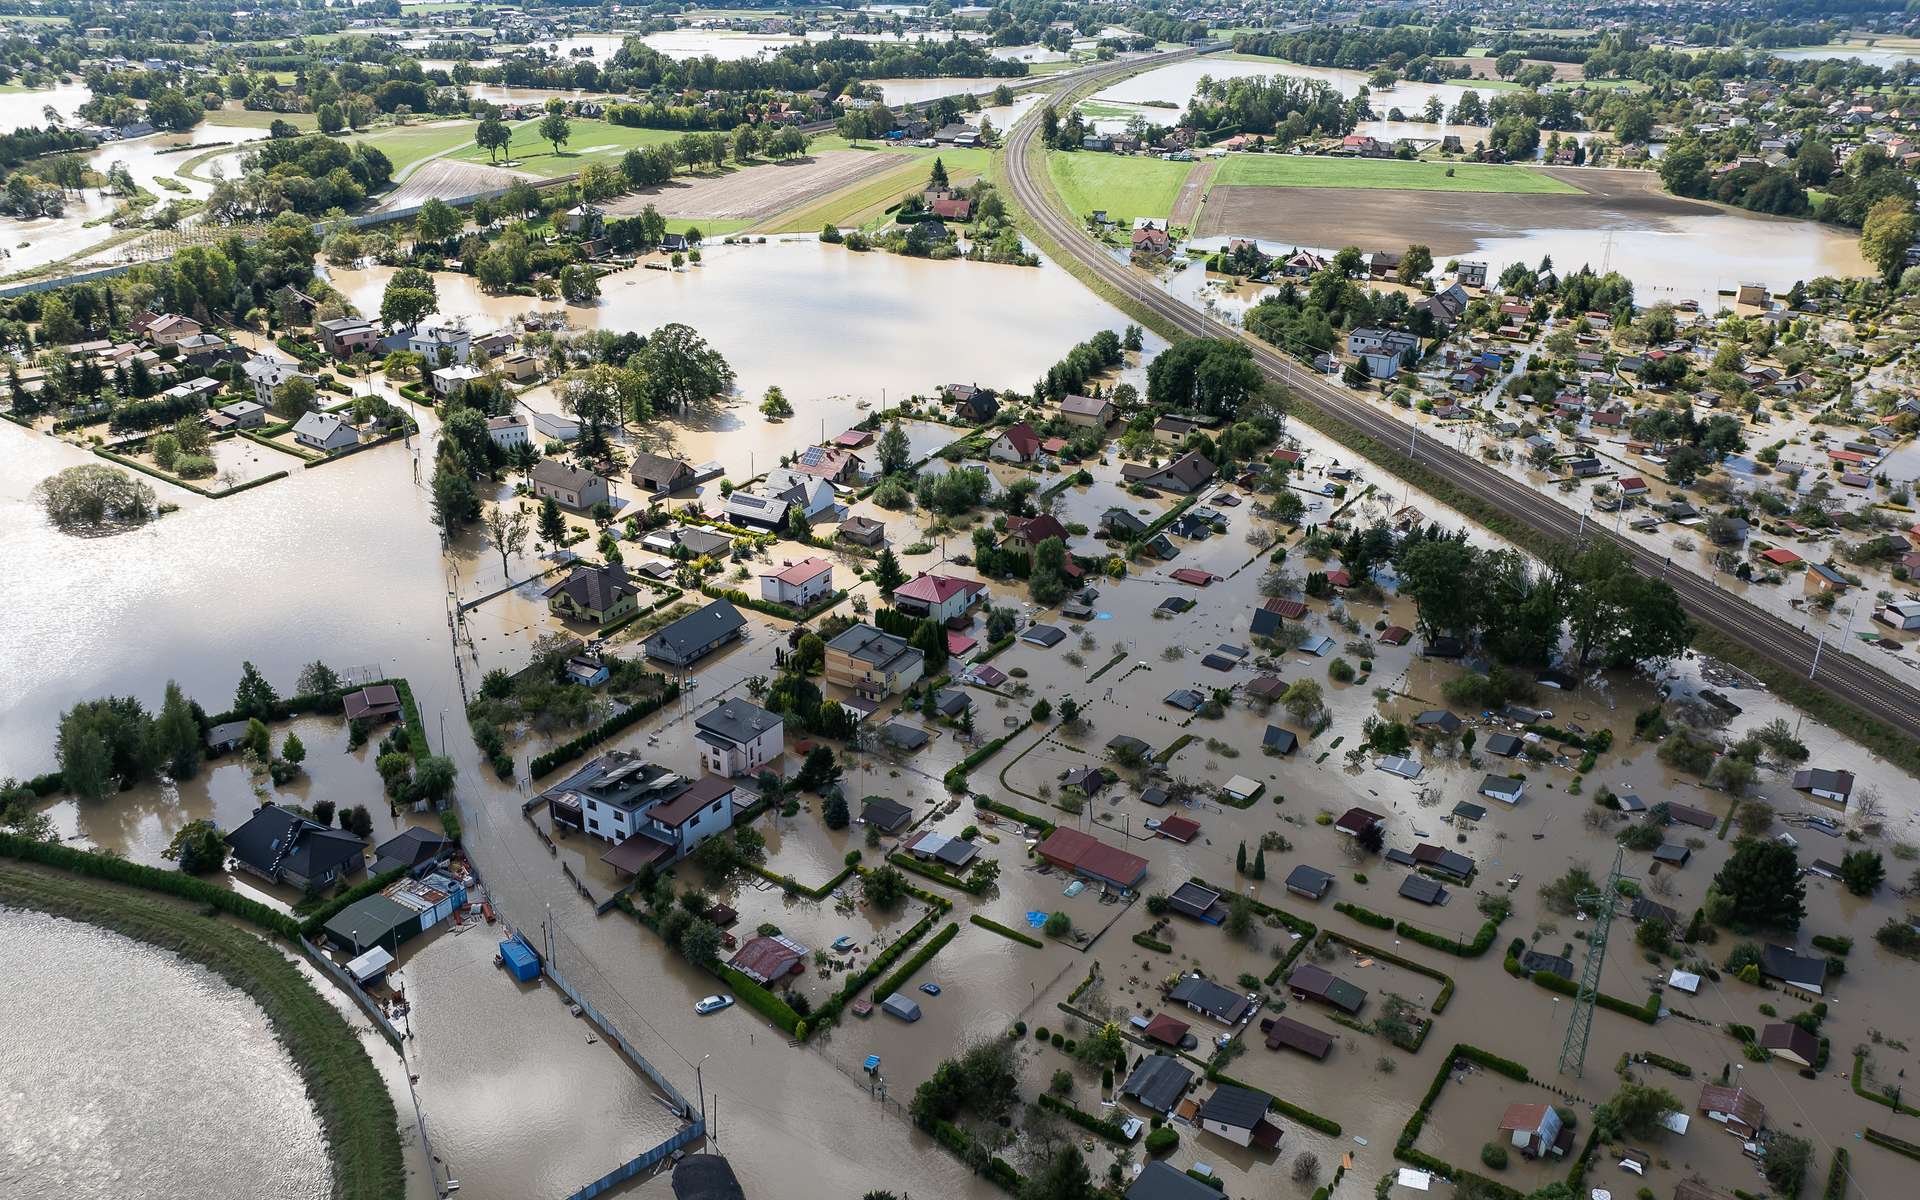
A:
[347,1092]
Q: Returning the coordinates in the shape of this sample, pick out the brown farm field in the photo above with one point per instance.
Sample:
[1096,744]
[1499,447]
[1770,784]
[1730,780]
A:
[1449,222]
[447,179]
[757,192]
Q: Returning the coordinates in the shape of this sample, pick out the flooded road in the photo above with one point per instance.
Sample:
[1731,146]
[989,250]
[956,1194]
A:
[129,1106]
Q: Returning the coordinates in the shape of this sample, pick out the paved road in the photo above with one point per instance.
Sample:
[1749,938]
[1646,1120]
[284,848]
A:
[1779,643]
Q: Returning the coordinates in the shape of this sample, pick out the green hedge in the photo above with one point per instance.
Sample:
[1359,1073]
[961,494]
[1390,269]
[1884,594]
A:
[568,751]
[956,776]
[907,862]
[788,882]
[994,650]
[1837,1176]
[316,921]
[152,879]
[1858,1078]
[1897,1145]
[1151,943]
[1040,824]
[1647,1012]
[1446,981]
[920,958]
[1305,928]
[998,1171]
[1660,1060]
[762,1001]
[1481,943]
[740,599]
[826,1013]
[1365,916]
[1086,1120]
[1403,1148]
[1005,931]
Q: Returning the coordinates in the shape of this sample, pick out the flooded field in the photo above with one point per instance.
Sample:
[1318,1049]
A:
[104,1096]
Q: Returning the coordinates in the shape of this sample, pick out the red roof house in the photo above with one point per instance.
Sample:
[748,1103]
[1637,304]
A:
[1180,829]
[1166,1030]
[1192,575]
[1083,854]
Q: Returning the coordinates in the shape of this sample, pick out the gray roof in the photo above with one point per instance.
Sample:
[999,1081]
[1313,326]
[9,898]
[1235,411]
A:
[1280,741]
[685,638]
[1239,1107]
[275,839]
[1782,962]
[1311,880]
[554,473]
[1504,744]
[1500,784]
[1422,889]
[1223,1004]
[1043,635]
[868,644]
[736,720]
[596,589]
[887,814]
[1158,1181]
[903,735]
[1158,1082]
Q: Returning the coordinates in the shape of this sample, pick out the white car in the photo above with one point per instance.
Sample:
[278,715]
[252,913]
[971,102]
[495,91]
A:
[1131,1127]
[713,1004]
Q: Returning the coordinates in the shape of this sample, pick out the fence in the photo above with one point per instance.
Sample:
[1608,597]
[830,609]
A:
[681,1107]
[353,989]
[651,1158]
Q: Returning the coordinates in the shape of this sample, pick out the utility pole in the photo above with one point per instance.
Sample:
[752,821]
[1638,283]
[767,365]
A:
[1573,1049]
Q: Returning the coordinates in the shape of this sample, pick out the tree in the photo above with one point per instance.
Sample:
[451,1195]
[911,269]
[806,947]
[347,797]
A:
[1887,235]
[596,398]
[198,848]
[775,405]
[553,525]
[176,733]
[1208,375]
[104,742]
[555,129]
[1416,262]
[1636,1110]
[492,136]
[884,887]
[1047,577]
[254,696]
[506,531]
[410,297]
[1058,925]
[330,118]
[1304,699]
[436,221]
[1042,709]
[93,495]
[887,574]
[258,742]
[316,679]
[679,368]
[1239,922]
[894,451]
[819,772]
[295,398]
[293,750]
[1786,1161]
[1259,864]
[834,812]
[1862,872]
[1760,887]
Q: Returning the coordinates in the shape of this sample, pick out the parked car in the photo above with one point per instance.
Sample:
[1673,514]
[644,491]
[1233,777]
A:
[1131,1127]
[931,989]
[713,1004]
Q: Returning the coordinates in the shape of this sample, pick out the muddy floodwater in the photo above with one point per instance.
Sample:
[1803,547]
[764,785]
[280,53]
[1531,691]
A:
[838,332]
[104,1092]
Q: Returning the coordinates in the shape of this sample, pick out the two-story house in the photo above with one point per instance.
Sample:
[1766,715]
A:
[622,798]
[281,846]
[873,663]
[570,487]
[798,584]
[596,594]
[343,337]
[941,597]
[738,737]
[267,374]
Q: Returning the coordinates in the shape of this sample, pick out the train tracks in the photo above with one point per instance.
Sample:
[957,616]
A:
[1792,650]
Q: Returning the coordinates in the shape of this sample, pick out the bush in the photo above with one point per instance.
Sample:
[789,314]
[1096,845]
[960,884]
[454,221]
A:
[1493,1156]
[1162,1141]
[1058,925]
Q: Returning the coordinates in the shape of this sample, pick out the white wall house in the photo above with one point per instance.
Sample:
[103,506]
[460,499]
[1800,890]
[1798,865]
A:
[799,584]
[737,737]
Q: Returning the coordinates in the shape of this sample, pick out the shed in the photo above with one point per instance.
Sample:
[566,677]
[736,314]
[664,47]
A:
[1790,1042]
[1291,1034]
[1405,768]
[1672,854]
[1158,1082]
[1423,890]
[373,921]
[1201,903]
[369,968]
[1311,882]
[1279,741]
[1503,744]
[1179,829]
[521,962]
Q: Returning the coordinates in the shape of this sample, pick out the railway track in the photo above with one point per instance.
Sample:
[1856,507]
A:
[1779,643]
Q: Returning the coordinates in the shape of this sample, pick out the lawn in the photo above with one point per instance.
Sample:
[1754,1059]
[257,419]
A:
[356,1112]
[405,145]
[709,227]
[243,118]
[589,142]
[865,202]
[1126,187]
[1286,170]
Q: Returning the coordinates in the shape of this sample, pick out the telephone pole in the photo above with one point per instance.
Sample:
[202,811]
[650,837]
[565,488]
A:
[1573,1050]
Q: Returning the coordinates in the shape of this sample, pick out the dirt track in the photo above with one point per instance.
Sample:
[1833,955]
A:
[757,192]
[1186,206]
[1449,222]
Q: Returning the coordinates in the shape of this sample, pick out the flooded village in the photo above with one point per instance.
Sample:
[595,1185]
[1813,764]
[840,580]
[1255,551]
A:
[490,636]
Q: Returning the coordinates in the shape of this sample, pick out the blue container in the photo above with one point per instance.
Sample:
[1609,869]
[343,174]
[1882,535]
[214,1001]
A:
[521,963]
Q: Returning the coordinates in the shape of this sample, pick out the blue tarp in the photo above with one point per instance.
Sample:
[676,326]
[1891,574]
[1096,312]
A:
[522,963]
[1036,920]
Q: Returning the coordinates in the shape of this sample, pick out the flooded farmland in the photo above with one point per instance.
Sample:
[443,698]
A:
[138,1086]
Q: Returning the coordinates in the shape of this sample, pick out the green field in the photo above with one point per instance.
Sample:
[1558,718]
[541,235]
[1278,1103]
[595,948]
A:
[590,142]
[405,145]
[242,118]
[1125,187]
[1286,170]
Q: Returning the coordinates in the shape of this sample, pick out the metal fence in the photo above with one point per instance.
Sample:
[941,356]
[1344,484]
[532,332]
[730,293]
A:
[645,1161]
[681,1107]
[360,997]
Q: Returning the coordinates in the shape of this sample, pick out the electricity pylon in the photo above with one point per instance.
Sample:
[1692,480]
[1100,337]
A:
[1603,904]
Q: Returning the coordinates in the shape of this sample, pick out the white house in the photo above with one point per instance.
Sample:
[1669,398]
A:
[1239,1115]
[1503,788]
[941,597]
[798,585]
[509,431]
[1016,443]
[442,343]
[806,493]
[1836,786]
[325,432]
[557,427]
[1900,614]
[737,737]
[267,374]
[448,380]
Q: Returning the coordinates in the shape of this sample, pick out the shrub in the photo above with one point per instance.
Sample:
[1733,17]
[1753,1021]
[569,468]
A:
[1161,1142]
[1493,1156]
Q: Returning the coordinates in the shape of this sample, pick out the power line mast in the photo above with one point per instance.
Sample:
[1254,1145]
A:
[1602,904]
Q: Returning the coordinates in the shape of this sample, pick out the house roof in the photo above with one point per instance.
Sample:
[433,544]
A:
[1782,963]
[1525,1117]
[319,425]
[1422,890]
[802,572]
[1824,779]
[1158,1081]
[1085,406]
[595,589]
[1278,740]
[1193,899]
[276,839]
[1241,1108]
[699,629]
[887,814]
[380,699]
[937,589]
[1734,1102]
[554,473]
[1021,437]
[1035,530]
[1180,829]
[685,806]
[766,958]
[736,720]
[866,644]
[409,848]
[1165,1029]
[657,468]
[1160,1181]
[1311,980]
[1222,1004]
[1357,820]
[1784,1036]
[1293,1034]
[1311,880]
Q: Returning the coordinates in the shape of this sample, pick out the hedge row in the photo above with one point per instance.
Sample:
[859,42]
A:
[1365,916]
[920,958]
[152,879]
[998,1171]
[1306,929]
[1304,1116]
[1837,1176]
[826,1013]
[956,776]
[316,921]
[928,871]
[1041,824]
[1005,931]
[135,465]
[788,882]
[758,998]
[1660,1060]
[1481,943]
[568,751]
[1141,939]
[1897,1145]
[1403,1147]
[1086,1120]
[1446,981]
[1859,1088]
[740,599]
[994,650]
[1647,1012]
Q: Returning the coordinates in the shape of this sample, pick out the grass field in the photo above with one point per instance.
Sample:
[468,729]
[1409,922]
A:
[1126,187]
[241,118]
[864,203]
[405,145]
[1286,170]
[590,142]
[356,1111]
[709,227]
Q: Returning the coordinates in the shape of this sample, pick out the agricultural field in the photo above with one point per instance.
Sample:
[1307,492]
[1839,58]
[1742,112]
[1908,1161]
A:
[1285,170]
[589,142]
[406,145]
[866,201]
[1125,187]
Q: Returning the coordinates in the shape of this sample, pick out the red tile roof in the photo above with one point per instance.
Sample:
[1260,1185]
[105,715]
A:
[1087,855]
[1020,435]
[1180,829]
[1193,575]
[1780,556]
[937,589]
[1292,610]
[1034,530]
[1166,1030]
[765,959]
[800,572]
